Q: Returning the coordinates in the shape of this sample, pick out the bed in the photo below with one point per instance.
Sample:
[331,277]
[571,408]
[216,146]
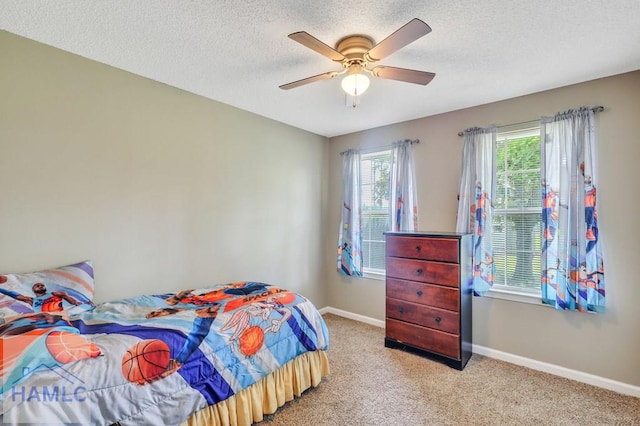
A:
[222,355]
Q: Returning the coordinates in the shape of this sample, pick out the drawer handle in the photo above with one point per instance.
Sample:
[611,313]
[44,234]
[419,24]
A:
[418,248]
[419,271]
[438,319]
[419,293]
[401,310]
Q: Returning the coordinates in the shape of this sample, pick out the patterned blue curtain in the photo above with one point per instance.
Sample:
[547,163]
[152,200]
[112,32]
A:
[350,238]
[403,188]
[573,269]
[475,210]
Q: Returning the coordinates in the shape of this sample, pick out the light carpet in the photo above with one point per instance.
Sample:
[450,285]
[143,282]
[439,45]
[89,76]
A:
[373,385]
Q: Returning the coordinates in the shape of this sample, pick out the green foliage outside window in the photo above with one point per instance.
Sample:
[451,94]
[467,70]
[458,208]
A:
[517,212]
[375,169]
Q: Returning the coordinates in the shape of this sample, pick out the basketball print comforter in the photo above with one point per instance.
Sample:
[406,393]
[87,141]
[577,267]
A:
[152,359]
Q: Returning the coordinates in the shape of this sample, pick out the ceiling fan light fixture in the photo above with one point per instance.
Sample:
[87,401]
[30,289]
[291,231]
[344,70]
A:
[355,84]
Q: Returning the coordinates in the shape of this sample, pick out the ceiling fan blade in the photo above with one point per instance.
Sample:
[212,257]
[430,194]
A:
[308,80]
[403,74]
[410,32]
[313,43]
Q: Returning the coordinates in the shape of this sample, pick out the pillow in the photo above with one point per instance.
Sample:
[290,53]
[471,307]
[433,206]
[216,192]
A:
[67,288]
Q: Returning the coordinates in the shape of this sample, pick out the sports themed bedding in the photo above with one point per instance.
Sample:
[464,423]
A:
[152,359]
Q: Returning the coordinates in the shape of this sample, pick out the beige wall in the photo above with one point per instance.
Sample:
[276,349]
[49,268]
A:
[161,188]
[605,345]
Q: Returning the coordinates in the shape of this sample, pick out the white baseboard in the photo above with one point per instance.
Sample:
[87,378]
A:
[350,315]
[567,373]
[579,376]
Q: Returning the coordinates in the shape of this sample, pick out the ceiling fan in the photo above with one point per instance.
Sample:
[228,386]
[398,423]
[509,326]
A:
[357,52]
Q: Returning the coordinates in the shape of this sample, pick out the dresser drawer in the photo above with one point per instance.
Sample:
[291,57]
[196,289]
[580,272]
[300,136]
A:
[422,337]
[421,270]
[427,294]
[439,249]
[435,318]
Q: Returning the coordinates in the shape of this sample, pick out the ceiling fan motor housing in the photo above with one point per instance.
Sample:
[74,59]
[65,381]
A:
[355,46]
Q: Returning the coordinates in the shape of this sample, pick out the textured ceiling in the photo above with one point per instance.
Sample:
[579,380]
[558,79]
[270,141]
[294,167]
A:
[238,53]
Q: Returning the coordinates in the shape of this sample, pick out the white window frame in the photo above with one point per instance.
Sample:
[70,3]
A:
[374,273]
[505,292]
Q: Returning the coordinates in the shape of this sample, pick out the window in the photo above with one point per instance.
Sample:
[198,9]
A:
[374,172]
[517,216]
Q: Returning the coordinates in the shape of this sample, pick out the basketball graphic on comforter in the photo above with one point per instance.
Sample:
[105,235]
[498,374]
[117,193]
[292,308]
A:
[145,361]
[68,347]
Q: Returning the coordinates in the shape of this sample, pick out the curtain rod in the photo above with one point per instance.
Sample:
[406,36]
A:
[380,148]
[594,109]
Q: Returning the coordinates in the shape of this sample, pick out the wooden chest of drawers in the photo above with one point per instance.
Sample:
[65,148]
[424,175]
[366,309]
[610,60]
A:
[428,303]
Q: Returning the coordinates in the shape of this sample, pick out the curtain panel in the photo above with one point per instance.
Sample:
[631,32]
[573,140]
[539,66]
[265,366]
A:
[572,263]
[350,238]
[475,210]
[404,197]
